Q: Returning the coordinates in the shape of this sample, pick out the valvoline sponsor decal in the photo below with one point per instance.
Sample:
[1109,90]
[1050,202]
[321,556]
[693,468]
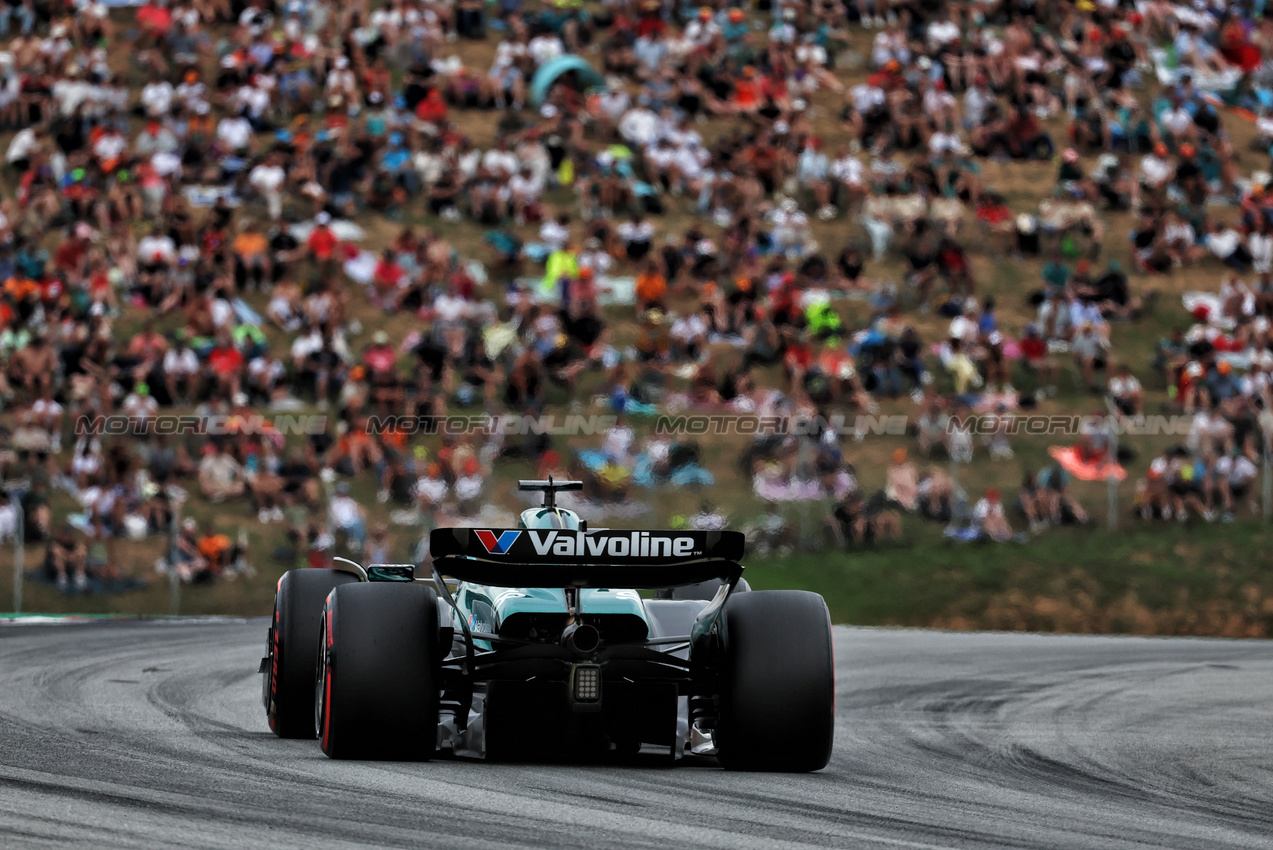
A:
[533,545]
[636,544]
[497,545]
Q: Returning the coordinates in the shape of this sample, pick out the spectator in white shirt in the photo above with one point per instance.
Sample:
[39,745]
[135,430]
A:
[181,372]
[265,374]
[847,171]
[812,171]
[500,161]
[555,232]
[156,97]
[110,147]
[990,518]
[595,257]
[545,47]
[341,81]
[25,143]
[617,444]
[523,193]
[1237,301]
[1156,171]
[140,405]
[1260,245]
[688,165]
[639,125]
[268,180]
[348,517]
[1226,245]
[156,250]
[689,336]
[941,32]
[890,45]
[1126,392]
[1235,475]
[235,132]
[637,235]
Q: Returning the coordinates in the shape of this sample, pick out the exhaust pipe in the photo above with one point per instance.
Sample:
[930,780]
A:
[581,638]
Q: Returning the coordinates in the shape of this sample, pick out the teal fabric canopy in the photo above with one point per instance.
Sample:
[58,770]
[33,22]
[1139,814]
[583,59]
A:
[551,70]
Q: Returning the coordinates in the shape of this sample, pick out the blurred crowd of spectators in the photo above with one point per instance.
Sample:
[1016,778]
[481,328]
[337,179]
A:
[214,182]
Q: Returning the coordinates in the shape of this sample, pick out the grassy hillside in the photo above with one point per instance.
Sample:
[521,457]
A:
[1139,581]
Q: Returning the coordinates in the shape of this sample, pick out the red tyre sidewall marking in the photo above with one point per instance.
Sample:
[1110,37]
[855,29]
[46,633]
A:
[274,653]
[327,681]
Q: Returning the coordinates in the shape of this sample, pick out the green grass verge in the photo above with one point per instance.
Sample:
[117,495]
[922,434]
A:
[1135,581]
[1139,580]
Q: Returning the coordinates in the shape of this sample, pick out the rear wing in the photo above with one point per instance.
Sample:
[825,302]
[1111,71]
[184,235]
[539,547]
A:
[513,557]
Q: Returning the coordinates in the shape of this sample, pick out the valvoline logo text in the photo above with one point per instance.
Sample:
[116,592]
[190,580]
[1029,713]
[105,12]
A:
[497,545]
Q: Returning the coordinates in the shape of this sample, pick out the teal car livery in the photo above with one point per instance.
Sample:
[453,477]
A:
[537,642]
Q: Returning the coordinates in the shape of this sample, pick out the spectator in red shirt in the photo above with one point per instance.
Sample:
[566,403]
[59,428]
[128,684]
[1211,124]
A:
[796,360]
[69,256]
[432,109]
[226,362]
[322,241]
[746,94]
[387,278]
[154,19]
[1034,350]
[380,355]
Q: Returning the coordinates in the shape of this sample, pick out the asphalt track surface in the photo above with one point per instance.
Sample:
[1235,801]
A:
[152,734]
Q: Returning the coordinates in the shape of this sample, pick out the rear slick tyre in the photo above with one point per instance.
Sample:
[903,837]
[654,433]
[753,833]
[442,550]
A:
[777,702]
[377,688]
[291,659]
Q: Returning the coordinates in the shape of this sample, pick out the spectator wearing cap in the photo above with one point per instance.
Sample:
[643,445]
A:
[380,357]
[155,138]
[990,519]
[322,241]
[580,296]
[1156,173]
[1221,384]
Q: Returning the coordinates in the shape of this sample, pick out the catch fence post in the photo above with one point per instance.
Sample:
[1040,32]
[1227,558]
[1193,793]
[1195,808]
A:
[1113,481]
[1267,495]
[803,469]
[19,553]
[174,580]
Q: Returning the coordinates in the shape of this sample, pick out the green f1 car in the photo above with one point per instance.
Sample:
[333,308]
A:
[534,642]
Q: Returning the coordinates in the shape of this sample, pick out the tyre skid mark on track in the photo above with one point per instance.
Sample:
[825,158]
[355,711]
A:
[1001,757]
